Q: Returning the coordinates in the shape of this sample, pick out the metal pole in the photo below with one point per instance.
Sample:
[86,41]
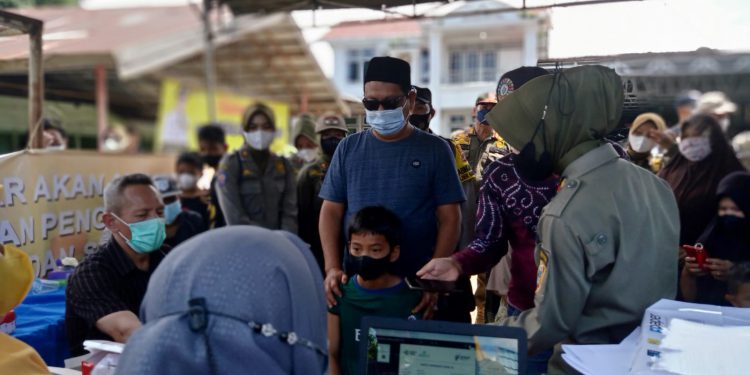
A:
[36,85]
[102,105]
[35,28]
[208,57]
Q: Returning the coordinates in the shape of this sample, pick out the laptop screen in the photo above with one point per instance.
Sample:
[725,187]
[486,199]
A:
[413,352]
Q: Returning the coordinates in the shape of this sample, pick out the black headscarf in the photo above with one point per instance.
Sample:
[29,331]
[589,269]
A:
[695,183]
[726,241]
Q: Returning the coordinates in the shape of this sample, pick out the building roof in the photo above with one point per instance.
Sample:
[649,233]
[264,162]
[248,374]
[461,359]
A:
[270,6]
[377,28]
[260,56]
[70,31]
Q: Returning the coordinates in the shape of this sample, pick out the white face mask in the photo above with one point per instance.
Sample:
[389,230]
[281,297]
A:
[640,143]
[307,154]
[724,123]
[695,148]
[259,139]
[187,181]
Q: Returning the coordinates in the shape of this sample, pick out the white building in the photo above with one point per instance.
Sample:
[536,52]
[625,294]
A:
[457,55]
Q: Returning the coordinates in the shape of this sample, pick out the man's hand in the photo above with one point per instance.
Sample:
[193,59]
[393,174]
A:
[334,277]
[428,303]
[719,268]
[119,325]
[663,139]
[693,270]
[445,269]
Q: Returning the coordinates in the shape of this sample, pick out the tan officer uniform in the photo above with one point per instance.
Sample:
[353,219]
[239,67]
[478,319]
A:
[609,239]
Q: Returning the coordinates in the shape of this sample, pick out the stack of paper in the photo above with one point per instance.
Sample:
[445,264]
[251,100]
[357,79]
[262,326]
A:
[694,348]
[603,359]
[674,338]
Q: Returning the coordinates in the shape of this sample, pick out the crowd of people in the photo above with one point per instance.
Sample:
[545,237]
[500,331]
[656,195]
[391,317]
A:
[573,234]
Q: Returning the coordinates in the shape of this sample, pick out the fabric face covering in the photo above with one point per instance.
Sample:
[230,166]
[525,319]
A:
[308,154]
[386,122]
[640,143]
[146,236]
[695,148]
[259,139]
[187,181]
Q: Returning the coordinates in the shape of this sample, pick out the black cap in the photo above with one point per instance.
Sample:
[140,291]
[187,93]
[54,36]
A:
[424,94]
[512,80]
[687,98]
[389,69]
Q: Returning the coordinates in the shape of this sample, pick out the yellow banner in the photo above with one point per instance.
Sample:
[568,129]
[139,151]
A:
[182,111]
[51,201]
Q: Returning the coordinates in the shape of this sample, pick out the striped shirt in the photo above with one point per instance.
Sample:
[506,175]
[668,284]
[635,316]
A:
[106,281]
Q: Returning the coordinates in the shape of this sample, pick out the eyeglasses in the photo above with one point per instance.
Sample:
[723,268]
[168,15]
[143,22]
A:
[391,102]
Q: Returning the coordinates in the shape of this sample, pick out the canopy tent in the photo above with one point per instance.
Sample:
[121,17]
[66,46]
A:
[119,56]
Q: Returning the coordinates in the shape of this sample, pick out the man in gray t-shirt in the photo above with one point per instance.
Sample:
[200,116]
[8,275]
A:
[396,166]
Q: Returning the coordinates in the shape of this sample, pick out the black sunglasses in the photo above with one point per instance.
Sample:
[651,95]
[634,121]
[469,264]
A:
[391,102]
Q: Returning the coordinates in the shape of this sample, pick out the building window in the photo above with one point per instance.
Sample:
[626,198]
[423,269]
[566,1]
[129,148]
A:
[489,66]
[457,121]
[472,65]
[456,67]
[424,74]
[356,65]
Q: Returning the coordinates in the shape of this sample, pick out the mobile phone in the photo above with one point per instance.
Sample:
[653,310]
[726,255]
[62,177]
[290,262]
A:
[697,252]
[439,286]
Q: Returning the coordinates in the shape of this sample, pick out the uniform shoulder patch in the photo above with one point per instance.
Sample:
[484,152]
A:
[221,178]
[542,269]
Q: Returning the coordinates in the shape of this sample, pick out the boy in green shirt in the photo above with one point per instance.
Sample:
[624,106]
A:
[372,290]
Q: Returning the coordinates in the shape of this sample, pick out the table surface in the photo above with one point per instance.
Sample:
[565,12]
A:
[40,322]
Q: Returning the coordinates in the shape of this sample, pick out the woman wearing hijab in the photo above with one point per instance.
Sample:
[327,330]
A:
[256,186]
[705,158]
[727,241]
[253,304]
[585,289]
[647,132]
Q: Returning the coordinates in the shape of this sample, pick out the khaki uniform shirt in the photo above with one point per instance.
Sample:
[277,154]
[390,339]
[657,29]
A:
[249,196]
[309,182]
[608,249]
[478,154]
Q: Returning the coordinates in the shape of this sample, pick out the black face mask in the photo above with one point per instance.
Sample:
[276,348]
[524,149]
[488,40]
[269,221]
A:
[733,223]
[212,160]
[422,122]
[368,268]
[328,145]
[527,164]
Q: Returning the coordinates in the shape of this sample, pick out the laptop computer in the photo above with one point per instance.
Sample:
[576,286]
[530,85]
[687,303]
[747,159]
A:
[415,347]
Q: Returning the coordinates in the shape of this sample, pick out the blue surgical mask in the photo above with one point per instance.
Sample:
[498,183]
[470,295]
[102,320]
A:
[171,211]
[386,122]
[481,114]
[146,236]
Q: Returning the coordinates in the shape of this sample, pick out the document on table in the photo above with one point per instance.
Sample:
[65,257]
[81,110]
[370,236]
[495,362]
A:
[603,359]
[693,348]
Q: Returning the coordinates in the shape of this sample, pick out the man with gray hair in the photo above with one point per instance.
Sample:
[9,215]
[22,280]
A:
[104,293]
